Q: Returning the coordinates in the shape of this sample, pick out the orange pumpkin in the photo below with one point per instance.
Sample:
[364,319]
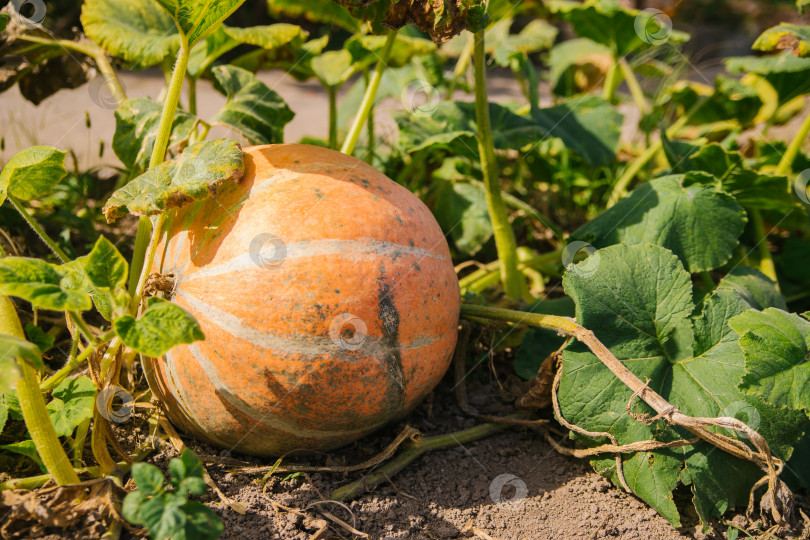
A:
[327,297]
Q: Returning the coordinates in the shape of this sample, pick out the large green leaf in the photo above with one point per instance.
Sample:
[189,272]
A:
[267,37]
[42,284]
[751,188]
[136,126]
[73,403]
[576,65]
[196,18]
[12,348]
[101,274]
[32,173]
[698,222]
[788,74]
[161,327]
[315,11]
[777,357]
[755,288]
[138,31]
[536,36]
[461,210]
[368,49]
[638,302]
[193,176]
[207,51]
[794,37]
[333,68]
[252,109]
[728,100]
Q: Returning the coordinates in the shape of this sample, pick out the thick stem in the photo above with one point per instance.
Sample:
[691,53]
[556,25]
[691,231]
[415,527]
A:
[141,260]
[766,264]
[786,163]
[504,236]
[332,91]
[61,255]
[612,80]
[634,86]
[32,406]
[531,81]
[368,99]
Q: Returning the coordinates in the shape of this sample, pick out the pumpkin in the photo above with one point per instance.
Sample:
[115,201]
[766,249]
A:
[327,297]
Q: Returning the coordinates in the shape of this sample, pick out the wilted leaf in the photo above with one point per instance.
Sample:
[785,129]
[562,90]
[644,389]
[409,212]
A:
[699,223]
[196,18]
[31,173]
[136,125]
[73,403]
[777,357]
[193,176]
[41,284]
[638,302]
[441,20]
[252,109]
[788,36]
[161,327]
[138,31]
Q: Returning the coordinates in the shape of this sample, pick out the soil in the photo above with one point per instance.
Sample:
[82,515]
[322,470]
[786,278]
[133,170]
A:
[445,493]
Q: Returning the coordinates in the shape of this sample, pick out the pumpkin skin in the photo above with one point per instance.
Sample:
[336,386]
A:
[327,297]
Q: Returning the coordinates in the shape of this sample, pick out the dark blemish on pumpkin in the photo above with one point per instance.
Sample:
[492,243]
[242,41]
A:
[319,194]
[297,161]
[375,198]
[416,266]
[365,182]
[391,357]
[399,219]
[410,243]
[337,291]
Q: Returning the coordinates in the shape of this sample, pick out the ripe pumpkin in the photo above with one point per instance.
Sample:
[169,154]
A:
[327,297]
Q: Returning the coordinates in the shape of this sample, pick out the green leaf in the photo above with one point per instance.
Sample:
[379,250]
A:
[333,68]
[3,21]
[136,125]
[538,344]
[206,52]
[201,522]
[461,210]
[252,109]
[638,302]
[73,403]
[777,357]
[3,406]
[699,223]
[196,18]
[138,31]
[25,448]
[315,11]
[802,5]
[194,176]
[268,37]
[148,478]
[32,173]
[536,36]
[754,287]
[162,326]
[788,74]
[575,65]
[750,188]
[366,50]
[131,507]
[588,125]
[12,348]
[42,284]
[105,266]
[188,465]
[164,518]
[792,37]
[43,340]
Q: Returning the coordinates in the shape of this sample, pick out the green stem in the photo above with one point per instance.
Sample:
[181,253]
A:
[61,255]
[192,96]
[786,163]
[612,80]
[78,442]
[708,282]
[766,264]
[504,236]
[485,270]
[423,445]
[634,86]
[531,80]
[368,99]
[32,406]
[332,91]
[76,317]
[461,67]
[141,260]
[73,362]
